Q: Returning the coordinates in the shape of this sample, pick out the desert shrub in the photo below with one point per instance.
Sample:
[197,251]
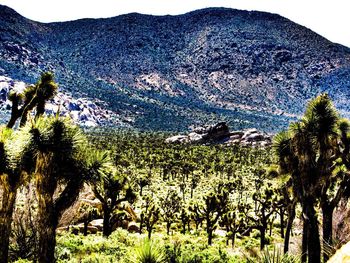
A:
[98,258]
[63,254]
[94,247]
[173,252]
[249,243]
[202,253]
[23,261]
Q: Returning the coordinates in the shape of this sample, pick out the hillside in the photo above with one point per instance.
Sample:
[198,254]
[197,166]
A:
[251,69]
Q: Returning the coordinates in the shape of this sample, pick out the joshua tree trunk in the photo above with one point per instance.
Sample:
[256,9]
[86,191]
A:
[168,226]
[233,237]
[210,230]
[86,224]
[47,221]
[47,235]
[262,237]
[313,237]
[210,237]
[149,231]
[282,222]
[183,226]
[8,203]
[141,223]
[304,242]
[106,221]
[50,210]
[289,228]
[327,215]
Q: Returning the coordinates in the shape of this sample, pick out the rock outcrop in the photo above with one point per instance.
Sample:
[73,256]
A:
[220,134]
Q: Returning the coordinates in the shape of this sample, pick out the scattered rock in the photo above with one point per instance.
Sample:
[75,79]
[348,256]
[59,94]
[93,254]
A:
[98,223]
[177,138]
[220,133]
[133,227]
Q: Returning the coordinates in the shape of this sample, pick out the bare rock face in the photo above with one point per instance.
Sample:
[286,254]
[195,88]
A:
[202,134]
[220,134]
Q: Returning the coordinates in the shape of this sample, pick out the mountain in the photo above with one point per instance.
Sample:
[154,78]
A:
[250,69]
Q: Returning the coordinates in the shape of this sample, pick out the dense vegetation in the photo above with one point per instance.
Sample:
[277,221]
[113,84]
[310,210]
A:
[187,203]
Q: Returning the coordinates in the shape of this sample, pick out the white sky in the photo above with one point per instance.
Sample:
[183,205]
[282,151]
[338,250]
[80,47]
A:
[330,18]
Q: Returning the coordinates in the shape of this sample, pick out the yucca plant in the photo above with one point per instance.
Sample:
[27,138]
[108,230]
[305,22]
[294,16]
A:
[147,252]
[274,256]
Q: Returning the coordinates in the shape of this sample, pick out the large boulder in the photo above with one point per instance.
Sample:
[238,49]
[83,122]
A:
[342,255]
[217,132]
[98,223]
[196,138]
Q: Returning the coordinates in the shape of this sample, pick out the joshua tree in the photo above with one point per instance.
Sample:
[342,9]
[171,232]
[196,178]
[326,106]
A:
[234,220]
[12,176]
[34,96]
[196,213]
[185,219]
[150,214]
[264,209]
[312,151]
[213,206]
[60,159]
[170,208]
[111,188]
[14,158]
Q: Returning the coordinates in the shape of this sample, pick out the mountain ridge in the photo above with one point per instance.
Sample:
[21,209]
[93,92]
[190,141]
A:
[248,68]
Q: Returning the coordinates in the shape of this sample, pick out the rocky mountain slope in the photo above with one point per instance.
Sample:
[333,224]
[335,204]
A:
[250,69]
[86,112]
